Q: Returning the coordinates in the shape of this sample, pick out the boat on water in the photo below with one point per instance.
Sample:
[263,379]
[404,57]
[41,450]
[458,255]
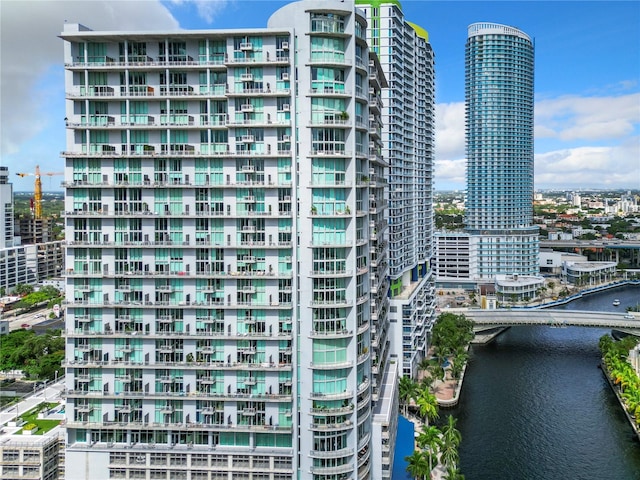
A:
[616,302]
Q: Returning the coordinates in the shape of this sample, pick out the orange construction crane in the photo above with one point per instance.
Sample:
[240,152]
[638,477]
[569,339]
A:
[37,194]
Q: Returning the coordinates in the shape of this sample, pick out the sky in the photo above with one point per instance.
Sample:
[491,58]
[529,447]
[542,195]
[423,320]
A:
[587,78]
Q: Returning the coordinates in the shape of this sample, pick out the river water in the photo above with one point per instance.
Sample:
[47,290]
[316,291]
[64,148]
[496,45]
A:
[534,406]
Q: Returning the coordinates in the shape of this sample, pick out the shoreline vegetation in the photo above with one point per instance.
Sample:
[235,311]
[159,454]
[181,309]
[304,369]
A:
[621,376]
[437,385]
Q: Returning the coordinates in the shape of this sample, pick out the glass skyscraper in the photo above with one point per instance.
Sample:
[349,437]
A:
[499,65]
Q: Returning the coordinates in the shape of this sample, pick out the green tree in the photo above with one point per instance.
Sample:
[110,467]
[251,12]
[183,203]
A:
[427,406]
[22,289]
[407,390]
[453,474]
[418,465]
[450,433]
[39,356]
[429,439]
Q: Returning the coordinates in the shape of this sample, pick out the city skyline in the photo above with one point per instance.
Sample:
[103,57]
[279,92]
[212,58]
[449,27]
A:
[587,92]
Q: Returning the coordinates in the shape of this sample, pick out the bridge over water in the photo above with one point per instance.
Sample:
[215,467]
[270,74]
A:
[488,319]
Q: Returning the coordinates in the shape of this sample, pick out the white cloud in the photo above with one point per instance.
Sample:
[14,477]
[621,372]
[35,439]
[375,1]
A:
[207,9]
[590,167]
[450,174]
[572,117]
[449,130]
[30,48]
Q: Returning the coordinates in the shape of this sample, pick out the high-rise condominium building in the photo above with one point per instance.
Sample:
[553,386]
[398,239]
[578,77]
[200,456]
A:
[18,264]
[499,63]
[407,60]
[226,262]
[6,209]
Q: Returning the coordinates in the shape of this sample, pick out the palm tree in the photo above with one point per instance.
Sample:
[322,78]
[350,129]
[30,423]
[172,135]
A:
[407,390]
[424,364]
[453,474]
[450,434]
[426,383]
[429,439]
[632,399]
[417,465]
[449,454]
[427,406]
[459,360]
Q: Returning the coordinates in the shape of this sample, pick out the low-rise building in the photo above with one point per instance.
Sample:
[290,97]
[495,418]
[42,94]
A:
[517,288]
[588,273]
[551,261]
[32,456]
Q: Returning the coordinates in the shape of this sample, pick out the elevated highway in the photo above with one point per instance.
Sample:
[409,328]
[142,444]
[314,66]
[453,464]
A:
[612,244]
[488,319]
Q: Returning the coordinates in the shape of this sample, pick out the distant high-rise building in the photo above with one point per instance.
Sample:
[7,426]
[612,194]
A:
[18,264]
[6,209]
[226,264]
[499,63]
[407,60]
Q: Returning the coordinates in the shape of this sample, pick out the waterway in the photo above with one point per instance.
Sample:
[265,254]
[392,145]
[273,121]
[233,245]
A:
[534,406]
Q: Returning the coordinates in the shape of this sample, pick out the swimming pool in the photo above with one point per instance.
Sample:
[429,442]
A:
[404,447]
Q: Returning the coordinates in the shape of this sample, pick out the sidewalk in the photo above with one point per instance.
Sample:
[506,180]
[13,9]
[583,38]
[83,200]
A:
[438,471]
[51,393]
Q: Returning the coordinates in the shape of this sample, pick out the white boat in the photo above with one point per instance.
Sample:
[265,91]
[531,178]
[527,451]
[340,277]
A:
[616,302]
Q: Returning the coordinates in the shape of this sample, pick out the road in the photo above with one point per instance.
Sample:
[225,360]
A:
[31,319]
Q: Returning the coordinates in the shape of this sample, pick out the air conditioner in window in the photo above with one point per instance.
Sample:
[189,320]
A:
[286,138]
[285,76]
[285,45]
[286,107]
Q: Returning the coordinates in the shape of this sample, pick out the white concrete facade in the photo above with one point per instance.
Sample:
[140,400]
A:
[226,265]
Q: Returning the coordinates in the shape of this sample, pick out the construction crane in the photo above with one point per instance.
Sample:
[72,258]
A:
[36,207]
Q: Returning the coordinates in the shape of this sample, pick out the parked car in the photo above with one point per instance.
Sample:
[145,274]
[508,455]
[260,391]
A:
[38,315]
[25,325]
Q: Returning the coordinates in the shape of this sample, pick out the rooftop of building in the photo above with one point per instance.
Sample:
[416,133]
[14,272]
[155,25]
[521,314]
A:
[591,266]
[518,280]
[387,392]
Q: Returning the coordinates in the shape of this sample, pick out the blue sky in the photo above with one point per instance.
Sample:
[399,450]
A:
[587,77]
